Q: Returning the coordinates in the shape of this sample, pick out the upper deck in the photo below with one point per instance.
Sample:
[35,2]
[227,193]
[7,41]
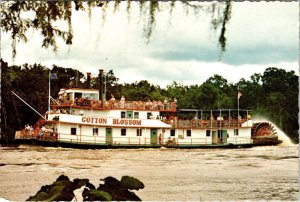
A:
[89,99]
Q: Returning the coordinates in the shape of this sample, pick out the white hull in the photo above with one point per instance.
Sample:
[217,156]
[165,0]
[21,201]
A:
[137,124]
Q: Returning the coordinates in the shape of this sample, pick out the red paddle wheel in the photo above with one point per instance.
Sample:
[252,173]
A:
[262,129]
[264,133]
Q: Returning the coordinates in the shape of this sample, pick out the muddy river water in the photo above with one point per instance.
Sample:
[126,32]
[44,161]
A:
[258,173]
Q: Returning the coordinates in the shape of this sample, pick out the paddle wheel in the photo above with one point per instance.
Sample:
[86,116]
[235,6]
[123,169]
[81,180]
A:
[262,129]
[264,133]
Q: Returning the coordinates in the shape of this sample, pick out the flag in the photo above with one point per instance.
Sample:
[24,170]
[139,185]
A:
[53,76]
[239,95]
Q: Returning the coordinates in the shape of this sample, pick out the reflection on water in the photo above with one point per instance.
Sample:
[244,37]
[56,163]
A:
[258,173]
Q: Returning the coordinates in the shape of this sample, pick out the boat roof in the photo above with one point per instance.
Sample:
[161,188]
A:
[79,90]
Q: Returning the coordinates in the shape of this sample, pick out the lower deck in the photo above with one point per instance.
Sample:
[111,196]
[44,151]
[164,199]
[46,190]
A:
[151,141]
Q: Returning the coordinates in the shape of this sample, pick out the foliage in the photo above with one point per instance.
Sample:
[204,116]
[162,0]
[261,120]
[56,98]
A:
[142,90]
[280,97]
[273,94]
[112,190]
[19,17]
[30,82]
[111,84]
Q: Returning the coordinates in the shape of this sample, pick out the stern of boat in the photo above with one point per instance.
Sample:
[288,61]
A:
[264,133]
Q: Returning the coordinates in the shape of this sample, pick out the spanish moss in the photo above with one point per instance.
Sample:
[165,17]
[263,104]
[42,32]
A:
[46,13]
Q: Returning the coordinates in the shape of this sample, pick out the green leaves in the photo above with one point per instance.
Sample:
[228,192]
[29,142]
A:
[131,183]
[43,14]
[112,190]
[97,195]
[61,190]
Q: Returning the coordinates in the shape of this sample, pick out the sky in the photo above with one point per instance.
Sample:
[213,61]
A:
[183,47]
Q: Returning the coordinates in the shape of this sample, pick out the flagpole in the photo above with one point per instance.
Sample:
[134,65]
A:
[49,91]
[238,99]
[238,103]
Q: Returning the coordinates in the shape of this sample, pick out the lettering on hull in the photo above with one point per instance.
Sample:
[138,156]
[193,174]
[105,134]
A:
[104,121]
[127,122]
[94,120]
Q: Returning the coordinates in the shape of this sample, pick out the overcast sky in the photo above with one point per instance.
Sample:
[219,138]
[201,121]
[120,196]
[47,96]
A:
[183,47]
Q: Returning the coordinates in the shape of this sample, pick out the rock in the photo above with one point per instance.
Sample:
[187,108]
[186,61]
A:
[112,190]
[97,195]
[132,183]
[60,190]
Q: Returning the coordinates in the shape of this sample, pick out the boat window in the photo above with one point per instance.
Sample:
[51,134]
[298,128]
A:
[139,132]
[123,115]
[149,115]
[123,132]
[93,96]
[236,132]
[207,133]
[136,115]
[172,132]
[87,96]
[188,133]
[78,95]
[73,131]
[95,131]
[129,114]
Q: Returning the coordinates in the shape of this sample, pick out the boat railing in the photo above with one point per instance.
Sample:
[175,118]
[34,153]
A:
[25,134]
[48,136]
[28,134]
[233,123]
[117,104]
[239,140]
[134,141]
[205,141]
[102,140]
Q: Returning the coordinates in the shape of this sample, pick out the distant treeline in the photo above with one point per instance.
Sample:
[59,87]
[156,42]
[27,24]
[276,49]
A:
[273,94]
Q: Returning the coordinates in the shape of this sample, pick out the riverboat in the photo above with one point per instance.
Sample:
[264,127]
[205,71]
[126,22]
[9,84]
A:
[84,118]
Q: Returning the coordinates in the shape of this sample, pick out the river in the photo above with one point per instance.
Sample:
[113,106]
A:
[258,173]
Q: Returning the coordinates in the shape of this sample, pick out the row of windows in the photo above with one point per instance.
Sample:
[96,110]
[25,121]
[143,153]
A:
[172,132]
[135,115]
[129,114]
[123,131]
[138,132]
[188,133]
[236,133]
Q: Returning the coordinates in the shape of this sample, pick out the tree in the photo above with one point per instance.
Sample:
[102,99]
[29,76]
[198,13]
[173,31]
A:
[42,15]
[280,91]
[178,91]
[30,82]
[141,90]
[110,84]
[217,93]
[66,78]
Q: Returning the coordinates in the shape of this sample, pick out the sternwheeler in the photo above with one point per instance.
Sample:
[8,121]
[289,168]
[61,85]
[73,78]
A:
[83,118]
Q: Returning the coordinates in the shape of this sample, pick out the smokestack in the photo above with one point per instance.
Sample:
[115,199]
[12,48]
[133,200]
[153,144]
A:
[88,80]
[101,84]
